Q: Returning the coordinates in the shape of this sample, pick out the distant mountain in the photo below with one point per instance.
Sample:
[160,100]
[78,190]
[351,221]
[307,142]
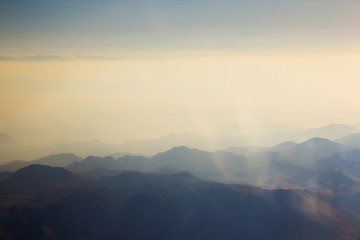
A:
[217,166]
[82,149]
[247,150]
[308,152]
[284,146]
[154,146]
[135,163]
[13,166]
[291,165]
[235,141]
[287,165]
[11,149]
[57,160]
[332,131]
[121,154]
[352,140]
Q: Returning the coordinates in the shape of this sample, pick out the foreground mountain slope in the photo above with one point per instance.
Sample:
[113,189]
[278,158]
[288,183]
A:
[36,178]
[168,206]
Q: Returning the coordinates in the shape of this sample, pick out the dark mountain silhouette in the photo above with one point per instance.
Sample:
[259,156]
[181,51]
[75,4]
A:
[35,178]
[4,175]
[169,206]
[102,172]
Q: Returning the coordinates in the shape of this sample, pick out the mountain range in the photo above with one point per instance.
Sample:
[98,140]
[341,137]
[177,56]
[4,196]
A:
[11,149]
[56,160]
[133,205]
[306,190]
[286,165]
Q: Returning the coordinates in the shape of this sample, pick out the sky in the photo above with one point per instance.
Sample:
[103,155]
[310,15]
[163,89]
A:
[121,70]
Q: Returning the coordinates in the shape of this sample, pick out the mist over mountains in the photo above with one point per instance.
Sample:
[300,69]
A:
[14,150]
[292,190]
[179,120]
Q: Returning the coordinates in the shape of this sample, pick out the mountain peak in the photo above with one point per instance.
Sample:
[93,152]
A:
[181,150]
[40,170]
[284,145]
[318,140]
[40,175]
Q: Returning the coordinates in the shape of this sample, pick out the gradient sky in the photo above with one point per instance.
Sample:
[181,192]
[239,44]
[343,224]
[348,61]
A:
[120,70]
[52,26]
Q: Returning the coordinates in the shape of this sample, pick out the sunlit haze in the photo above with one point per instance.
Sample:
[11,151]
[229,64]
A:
[180,119]
[119,70]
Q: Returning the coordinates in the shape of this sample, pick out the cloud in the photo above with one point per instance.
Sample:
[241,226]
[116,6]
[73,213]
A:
[33,58]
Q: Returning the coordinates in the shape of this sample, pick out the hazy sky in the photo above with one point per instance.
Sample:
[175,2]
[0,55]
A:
[119,70]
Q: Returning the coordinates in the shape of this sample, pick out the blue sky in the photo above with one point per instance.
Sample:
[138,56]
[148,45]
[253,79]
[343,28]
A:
[50,26]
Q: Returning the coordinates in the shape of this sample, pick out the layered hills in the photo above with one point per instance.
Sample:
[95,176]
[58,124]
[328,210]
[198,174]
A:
[306,190]
[163,206]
